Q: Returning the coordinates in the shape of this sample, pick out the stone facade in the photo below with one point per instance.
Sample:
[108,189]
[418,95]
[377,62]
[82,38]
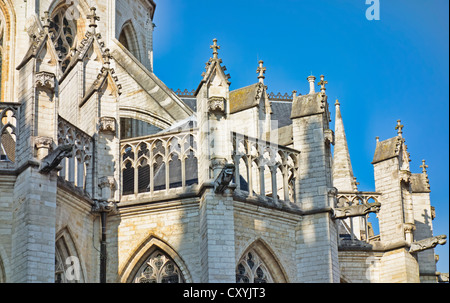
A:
[106,175]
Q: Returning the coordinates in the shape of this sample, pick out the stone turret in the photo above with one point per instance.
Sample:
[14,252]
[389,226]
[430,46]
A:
[312,136]
[396,216]
[215,152]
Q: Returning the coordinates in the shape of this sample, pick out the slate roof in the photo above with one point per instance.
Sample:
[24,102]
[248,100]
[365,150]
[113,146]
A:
[281,112]
[307,105]
[245,98]
[387,149]
[419,183]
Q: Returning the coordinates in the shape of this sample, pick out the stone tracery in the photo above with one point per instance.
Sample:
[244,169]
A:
[159,268]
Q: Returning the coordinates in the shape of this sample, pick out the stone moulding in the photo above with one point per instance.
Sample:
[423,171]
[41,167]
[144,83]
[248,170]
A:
[107,125]
[216,104]
[45,80]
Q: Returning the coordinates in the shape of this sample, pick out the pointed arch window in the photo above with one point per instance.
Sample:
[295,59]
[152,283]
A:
[63,31]
[251,269]
[159,268]
[67,262]
[128,39]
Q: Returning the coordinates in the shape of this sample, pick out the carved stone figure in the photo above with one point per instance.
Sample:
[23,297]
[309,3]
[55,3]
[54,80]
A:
[103,206]
[427,243]
[52,161]
[356,210]
[216,104]
[224,178]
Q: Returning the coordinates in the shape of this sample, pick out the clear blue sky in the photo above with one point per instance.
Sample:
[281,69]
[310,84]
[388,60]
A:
[381,71]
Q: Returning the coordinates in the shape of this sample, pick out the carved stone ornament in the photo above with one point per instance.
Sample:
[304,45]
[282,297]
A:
[329,136]
[223,180]
[43,142]
[427,243]
[443,277]
[43,146]
[107,124]
[409,227]
[100,206]
[216,104]
[107,182]
[107,186]
[405,176]
[45,80]
[53,160]
[356,210]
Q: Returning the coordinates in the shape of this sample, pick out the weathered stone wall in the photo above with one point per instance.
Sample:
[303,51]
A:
[175,224]
[360,266]
[6,221]
[80,227]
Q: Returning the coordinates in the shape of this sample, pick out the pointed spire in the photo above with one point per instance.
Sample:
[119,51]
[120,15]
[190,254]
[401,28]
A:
[399,128]
[343,178]
[261,70]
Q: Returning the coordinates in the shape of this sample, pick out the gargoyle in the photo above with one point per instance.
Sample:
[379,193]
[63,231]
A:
[224,178]
[356,210]
[103,206]
[53,159]
[427,243]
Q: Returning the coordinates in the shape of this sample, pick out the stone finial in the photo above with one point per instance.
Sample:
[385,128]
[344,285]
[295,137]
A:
[311,79]
[322,83]
[215,49]
[424,167]
[93,18]
[377,138]
[107,58]
[294,94]
[46,21]
[399,128]
[261,70]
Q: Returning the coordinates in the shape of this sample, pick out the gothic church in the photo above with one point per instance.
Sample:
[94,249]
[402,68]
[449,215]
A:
[107,175]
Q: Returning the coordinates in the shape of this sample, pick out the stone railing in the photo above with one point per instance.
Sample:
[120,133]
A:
[279,97]
[8,131]
[185,93]
[263,168]
[353,209]
[78,168]
[159,162]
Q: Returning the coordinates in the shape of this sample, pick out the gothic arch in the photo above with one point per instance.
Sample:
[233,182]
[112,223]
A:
[128,39]
[143,252]
[261,251]
[65,247]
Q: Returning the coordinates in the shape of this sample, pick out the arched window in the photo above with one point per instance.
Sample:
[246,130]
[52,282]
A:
[67,263]
[63,31]
[128,39]
[159,268]
[251,269]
